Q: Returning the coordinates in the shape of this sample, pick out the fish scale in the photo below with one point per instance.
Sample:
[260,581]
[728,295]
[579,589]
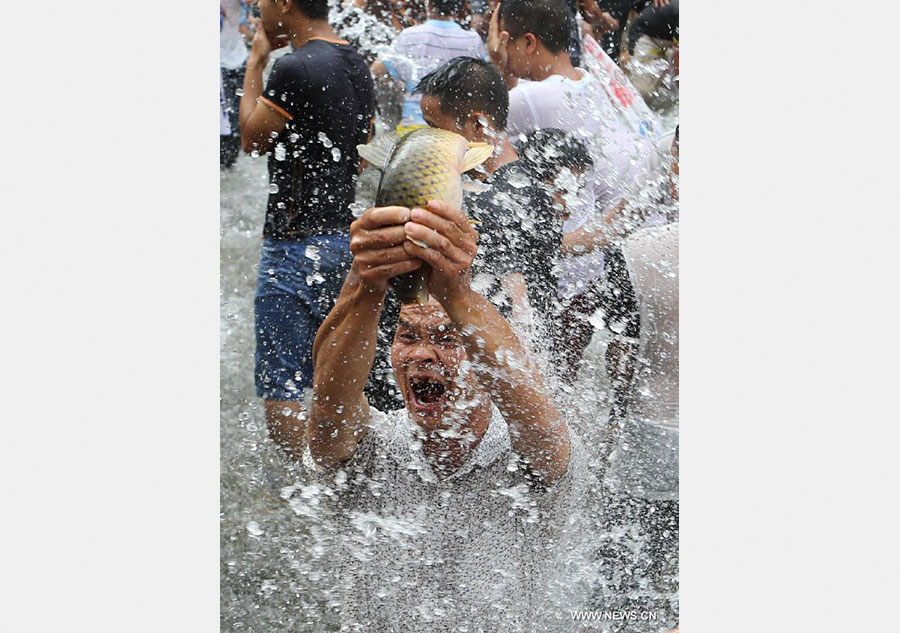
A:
[425,164]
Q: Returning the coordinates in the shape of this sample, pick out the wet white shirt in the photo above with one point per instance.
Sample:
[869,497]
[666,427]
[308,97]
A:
[644,461]
[232,49]
[583,108]
[413,553]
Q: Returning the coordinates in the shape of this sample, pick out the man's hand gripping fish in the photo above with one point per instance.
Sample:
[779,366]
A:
[425,164]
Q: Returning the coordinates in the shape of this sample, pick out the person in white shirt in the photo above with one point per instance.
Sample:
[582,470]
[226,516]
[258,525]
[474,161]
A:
[528,42]
[639,486]
[233,62]
[422,48]
[447,512]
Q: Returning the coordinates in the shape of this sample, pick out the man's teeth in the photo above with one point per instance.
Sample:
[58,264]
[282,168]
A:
[427,391]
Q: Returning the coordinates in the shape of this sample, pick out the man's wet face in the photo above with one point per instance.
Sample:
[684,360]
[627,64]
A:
[519,64]
[428,358]
[270,17]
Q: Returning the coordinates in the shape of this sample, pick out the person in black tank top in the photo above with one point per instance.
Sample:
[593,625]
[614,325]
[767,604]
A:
[315,108]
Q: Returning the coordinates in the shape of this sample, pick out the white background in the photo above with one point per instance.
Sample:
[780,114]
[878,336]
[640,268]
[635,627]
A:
[788,317]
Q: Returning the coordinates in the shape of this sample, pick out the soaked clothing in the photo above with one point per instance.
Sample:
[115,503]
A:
[325,91]
[612,292]
[298,283]
[414,553]
[638,543]
[232,46]
[520,232]
[583,108]
[644,461]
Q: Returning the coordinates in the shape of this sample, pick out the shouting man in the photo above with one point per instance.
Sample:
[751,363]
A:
[447,510]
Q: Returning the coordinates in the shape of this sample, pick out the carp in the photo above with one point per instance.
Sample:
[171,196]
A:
[422,165]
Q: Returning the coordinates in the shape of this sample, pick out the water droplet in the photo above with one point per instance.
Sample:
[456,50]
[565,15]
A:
[254,529]
[280,151]
[312,252]
[273,187]
[324,140]
[239,92]
[335,154]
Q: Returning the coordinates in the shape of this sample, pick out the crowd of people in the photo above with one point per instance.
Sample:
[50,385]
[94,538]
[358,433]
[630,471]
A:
[449,433]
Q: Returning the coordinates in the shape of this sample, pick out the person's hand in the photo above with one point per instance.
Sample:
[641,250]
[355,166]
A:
[377,241]
[262,45]
[601,19]
[444,239]
[660,3]
[497,41]
[607,22]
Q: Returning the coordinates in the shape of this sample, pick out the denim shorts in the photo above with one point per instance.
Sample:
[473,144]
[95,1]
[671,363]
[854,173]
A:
[298,283]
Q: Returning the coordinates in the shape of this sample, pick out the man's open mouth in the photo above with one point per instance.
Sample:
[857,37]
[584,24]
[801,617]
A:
[427,392]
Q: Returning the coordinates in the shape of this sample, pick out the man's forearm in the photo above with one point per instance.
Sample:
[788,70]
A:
[344,349]
[253,87]
[343,354]
[537,431]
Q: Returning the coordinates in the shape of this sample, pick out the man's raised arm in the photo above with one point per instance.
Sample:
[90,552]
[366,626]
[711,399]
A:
[344,348]
[537,430]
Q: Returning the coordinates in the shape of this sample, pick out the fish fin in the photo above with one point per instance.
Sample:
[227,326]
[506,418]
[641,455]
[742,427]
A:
[476,154]
[378,152]
[474,186]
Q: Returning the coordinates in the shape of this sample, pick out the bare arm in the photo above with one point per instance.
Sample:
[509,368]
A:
[344,348]
[537,430]
[260,122]
[497,42]
[596,16]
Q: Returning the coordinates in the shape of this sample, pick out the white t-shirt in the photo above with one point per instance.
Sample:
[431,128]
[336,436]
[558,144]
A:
[644,462]
[232,49]
[422,48]
[583,108]
[413,553]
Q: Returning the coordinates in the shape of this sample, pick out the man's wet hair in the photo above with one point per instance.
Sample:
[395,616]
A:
[547,151]
[313,9]
[466,84]
[450,8]
[549,20]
